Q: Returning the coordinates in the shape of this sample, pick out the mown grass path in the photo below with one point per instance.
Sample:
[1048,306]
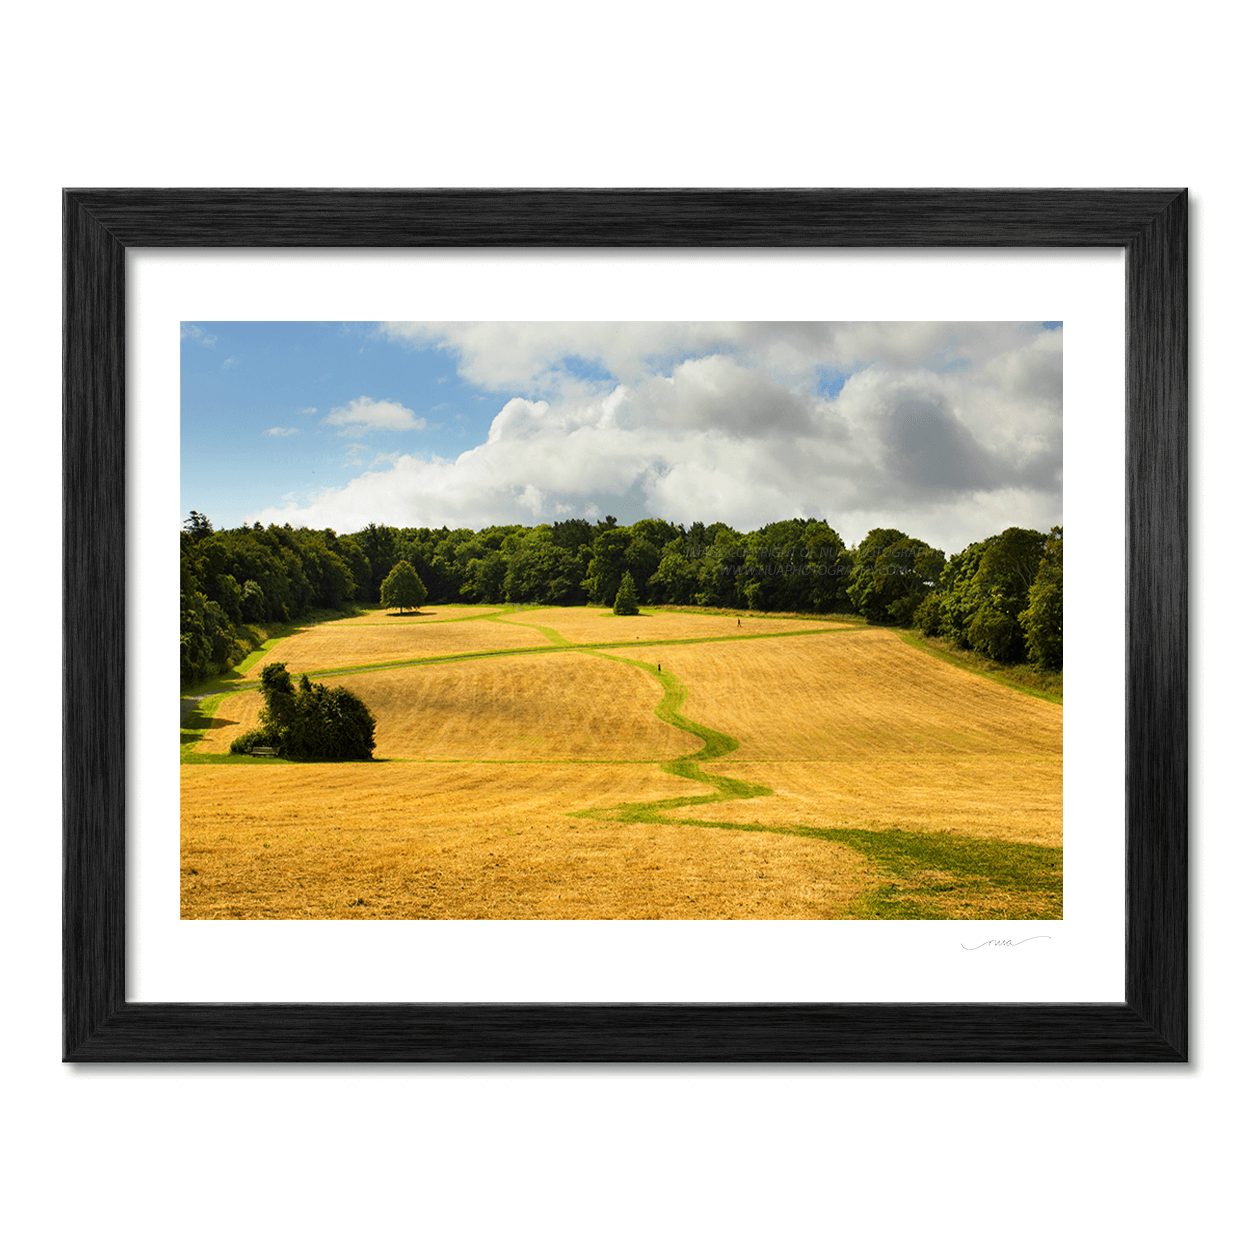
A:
[929,876]
[923,875]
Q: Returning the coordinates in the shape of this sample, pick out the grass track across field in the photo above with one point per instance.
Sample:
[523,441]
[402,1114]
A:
[560,645]
[932,876]
[916,875]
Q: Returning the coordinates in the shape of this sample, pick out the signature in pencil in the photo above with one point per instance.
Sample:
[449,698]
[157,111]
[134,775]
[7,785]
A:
[1005,942]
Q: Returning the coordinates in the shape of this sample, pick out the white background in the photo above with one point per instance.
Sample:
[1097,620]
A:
[1081,958]
[672,94]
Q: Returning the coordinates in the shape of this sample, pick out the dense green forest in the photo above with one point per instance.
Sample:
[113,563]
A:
[1001,597]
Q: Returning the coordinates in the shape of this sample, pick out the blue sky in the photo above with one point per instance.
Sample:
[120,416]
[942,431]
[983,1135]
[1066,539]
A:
[257,399]
[951,431]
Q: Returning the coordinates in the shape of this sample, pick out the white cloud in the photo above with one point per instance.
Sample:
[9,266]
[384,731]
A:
[194,332]
[307,412]
[370,414]
[353,454]
[951,432]
[229,362]
[279,431]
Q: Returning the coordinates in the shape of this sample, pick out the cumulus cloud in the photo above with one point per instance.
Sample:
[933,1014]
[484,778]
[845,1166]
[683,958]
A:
[369,414]
[951,431]
[307,412]
[279,431]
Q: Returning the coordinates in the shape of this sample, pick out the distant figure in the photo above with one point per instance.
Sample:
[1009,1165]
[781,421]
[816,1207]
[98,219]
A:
[659,668]
[739,622]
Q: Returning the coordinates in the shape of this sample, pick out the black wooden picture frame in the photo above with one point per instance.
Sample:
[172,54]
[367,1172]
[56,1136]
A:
[1149,1025]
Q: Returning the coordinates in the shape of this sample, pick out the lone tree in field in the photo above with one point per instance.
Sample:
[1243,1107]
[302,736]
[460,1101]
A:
[403,588]
[309,722]
[626,598]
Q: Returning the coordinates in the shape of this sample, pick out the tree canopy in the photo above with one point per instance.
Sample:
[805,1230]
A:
[402,588]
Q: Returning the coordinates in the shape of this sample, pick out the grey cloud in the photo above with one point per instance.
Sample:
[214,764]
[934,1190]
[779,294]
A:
[932,454]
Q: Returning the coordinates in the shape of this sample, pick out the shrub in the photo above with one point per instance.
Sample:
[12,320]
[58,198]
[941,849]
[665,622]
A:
[313,722]
[244,743]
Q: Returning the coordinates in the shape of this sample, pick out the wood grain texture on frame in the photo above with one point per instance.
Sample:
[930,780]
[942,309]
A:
[99,1025]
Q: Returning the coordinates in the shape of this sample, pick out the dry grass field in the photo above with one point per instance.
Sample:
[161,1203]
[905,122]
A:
[382,638]
[481,841]
[889,783]
[598,625]
[851,697]
[235,714]
[961,795]
[565,705]
[862,730]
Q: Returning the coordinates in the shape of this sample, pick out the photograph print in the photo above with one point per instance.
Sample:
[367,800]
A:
[641,620]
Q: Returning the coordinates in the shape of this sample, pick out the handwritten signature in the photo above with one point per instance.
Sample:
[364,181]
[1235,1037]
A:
[1005,942]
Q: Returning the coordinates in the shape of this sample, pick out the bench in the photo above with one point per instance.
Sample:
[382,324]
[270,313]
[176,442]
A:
[263,751]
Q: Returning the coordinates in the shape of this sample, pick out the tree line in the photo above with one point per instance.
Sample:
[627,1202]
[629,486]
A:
[1001,597]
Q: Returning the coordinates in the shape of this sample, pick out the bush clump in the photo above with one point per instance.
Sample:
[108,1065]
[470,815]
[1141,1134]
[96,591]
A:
[311,722]
[244,743]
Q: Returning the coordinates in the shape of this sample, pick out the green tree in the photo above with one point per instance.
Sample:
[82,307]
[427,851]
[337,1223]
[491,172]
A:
[403,588]
[378,542]
[607,563]
[1007,569]
[1042,620]
[960,594]
[626,598]
[252,602]
[677,576]
[540,571]
[642,559]
[892,574]
[928,616]
[722,556]
[278,692]
[828,568]
[198,525]
[484,579]
[310,721]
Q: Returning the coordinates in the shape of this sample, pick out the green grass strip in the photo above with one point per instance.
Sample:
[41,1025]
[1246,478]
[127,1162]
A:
[715,744]
[547,632]
[562,645]
[917,643]
[450,620]
[931,876]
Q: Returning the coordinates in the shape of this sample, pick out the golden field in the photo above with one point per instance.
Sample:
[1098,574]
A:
[599,625]
[850,697]
[565,705]
[480,841]
[389,638]
[470,807]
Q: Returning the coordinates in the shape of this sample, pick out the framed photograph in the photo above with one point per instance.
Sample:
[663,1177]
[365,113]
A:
[636,1020]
